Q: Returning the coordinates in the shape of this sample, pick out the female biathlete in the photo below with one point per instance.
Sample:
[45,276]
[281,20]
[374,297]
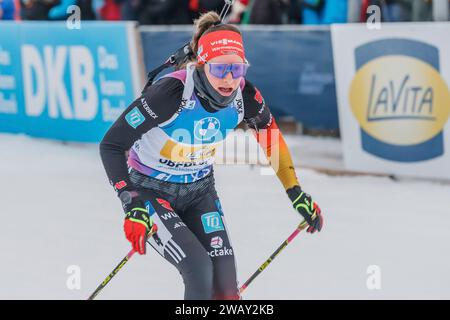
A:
[171,132]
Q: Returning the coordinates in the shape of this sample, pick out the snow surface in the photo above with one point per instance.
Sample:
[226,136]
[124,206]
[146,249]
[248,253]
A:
[58,210]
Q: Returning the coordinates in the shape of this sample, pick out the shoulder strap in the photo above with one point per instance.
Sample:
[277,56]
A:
[186,77]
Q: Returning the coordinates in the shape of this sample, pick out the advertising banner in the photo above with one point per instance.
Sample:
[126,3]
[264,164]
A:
[393,97]
[66,84]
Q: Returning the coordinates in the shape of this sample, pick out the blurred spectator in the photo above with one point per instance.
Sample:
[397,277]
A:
[355,8]
[405,10]
[37,9]
[59,12]
[294,12]
[110,10]
[197,7]
[210,5]
[96,6]
[334,11]
[422,10]
[237,11]
[56,10]
[399,10]
[87,11]
[169,12]
[324,11]
[364,6]
[164,12]
[311,11]
[129,9]
[395,10]
[18,10]
[268,11]
[7,9]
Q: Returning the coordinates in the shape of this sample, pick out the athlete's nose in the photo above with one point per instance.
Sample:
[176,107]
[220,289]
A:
[228,78]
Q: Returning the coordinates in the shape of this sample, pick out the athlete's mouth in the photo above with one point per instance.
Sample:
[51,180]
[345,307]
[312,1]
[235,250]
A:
[225,91]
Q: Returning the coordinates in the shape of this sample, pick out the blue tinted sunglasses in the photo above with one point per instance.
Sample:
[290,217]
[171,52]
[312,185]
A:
[220,70]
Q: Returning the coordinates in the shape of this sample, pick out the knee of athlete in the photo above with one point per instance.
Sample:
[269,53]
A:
[199,275]
[225,280]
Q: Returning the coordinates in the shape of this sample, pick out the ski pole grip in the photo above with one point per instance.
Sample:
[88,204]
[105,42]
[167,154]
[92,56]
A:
[303,225]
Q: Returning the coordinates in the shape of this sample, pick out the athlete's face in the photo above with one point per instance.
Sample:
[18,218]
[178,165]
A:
[227,85]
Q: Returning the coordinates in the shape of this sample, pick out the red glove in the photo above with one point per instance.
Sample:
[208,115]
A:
[138,223]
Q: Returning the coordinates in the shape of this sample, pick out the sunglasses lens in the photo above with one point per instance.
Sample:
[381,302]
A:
[239,70]
[220,70]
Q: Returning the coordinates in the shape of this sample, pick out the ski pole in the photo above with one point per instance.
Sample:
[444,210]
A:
[300,227]
[226,7]
[117,269]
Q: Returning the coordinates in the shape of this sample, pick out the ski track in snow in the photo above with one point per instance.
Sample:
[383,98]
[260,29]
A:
[58,210]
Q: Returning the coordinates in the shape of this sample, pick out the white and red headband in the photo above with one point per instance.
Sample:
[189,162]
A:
[218,43]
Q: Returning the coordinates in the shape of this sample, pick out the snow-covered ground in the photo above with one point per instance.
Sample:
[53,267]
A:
[58,211]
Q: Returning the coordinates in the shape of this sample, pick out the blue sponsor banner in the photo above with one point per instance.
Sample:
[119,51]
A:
[69,84]
[292,67]
[11,99]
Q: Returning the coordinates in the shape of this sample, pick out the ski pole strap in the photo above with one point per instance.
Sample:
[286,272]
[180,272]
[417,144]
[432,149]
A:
[300,227]
[117,269]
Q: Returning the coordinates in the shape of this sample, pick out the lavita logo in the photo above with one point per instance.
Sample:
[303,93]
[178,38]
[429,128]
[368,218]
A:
[44,73]
[400,100]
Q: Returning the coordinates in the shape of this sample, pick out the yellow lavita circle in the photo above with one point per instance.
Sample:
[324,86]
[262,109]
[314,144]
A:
[400,100]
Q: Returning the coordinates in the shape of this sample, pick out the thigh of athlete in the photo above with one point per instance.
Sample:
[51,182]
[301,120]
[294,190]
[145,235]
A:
[177,244]
[205,219]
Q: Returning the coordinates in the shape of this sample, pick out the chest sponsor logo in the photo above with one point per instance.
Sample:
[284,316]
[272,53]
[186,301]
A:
[206,128]
[172,164]
[177,152]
